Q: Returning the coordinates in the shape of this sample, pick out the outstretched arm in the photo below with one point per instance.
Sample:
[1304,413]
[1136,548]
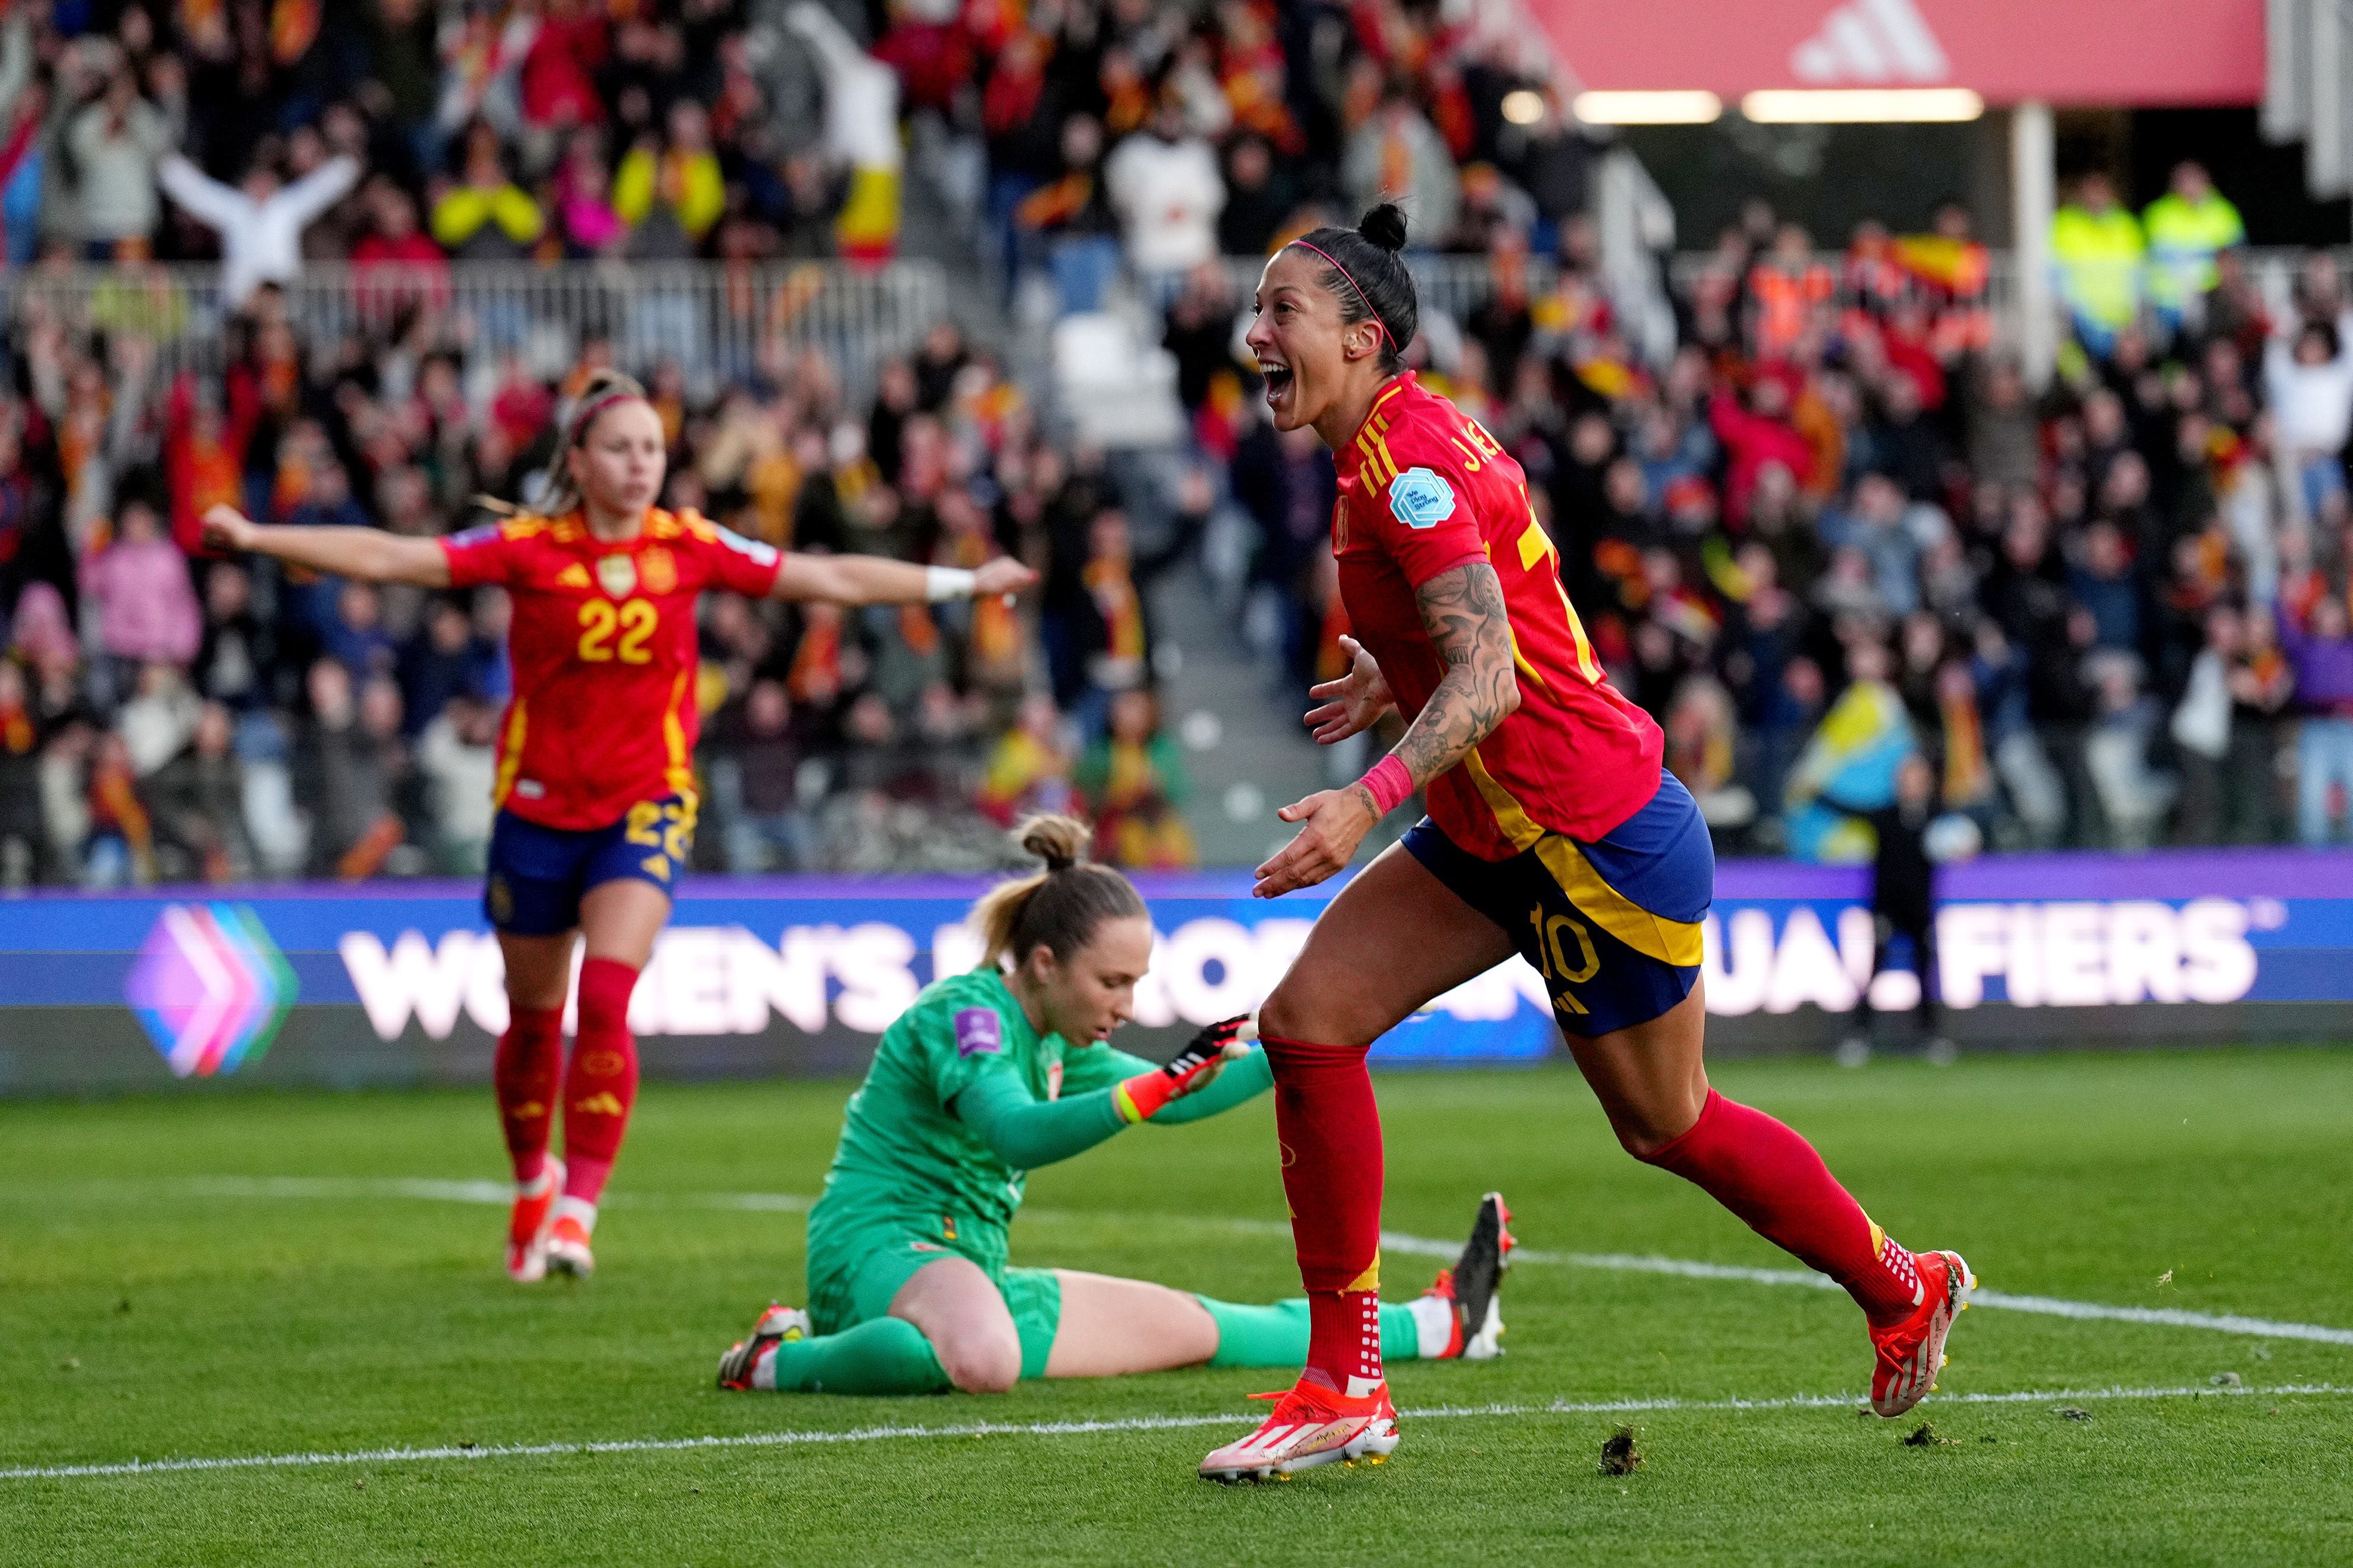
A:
[206,199]
[1462,611]
[322,188]
[875,580]
[367,553]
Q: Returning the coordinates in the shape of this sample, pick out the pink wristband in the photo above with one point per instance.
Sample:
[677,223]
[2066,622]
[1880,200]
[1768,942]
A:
[1388,783]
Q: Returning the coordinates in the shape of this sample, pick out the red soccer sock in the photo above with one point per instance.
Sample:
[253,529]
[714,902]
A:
[1773,1179]
[524,1070]
[603,1083]
[1330,1131]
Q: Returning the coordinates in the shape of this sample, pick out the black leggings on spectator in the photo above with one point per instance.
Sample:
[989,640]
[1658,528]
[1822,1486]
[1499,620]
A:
[1922,930]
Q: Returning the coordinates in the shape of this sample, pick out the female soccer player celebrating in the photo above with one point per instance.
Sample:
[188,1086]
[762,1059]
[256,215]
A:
[989,1076]
[596,782]
[1552,832]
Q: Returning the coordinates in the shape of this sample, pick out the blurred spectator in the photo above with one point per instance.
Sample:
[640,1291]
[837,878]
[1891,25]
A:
[2309,376]
[2187,228]
[259,221]
[117,834]
[2097,247]
[1260,198]
[669,192]
[1165,186]
[116,144]
[236,660]
[24,838]
[583,200]
[485,216]
[458,758]
[394,264]
[1133,780]
[2323,660]
[355,750]
[139,585]
[1852,761]
[1030,769]
[1398,155]
[767,828]
[200,803]
[1073,219]
[1903,903]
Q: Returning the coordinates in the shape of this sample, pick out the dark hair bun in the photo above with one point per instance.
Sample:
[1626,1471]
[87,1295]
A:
[1384,225]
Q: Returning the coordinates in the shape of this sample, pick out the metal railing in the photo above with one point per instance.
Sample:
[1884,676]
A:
[718,322]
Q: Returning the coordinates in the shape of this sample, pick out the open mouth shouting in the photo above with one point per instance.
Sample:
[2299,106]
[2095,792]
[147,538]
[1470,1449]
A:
[1279,380]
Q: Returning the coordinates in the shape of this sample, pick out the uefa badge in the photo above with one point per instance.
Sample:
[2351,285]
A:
[1419,498]
[616,574]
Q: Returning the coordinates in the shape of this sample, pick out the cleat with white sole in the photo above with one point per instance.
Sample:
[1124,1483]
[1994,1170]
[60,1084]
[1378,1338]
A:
[1311,1427]
[1909,1354]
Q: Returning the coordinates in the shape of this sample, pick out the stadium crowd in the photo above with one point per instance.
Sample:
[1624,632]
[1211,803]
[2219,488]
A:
[1832,527]
[165,715]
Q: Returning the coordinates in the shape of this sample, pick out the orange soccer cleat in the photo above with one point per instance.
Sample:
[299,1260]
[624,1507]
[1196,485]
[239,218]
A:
[527,1225]
[1911,1354]
[1311,1425]
[568,1241]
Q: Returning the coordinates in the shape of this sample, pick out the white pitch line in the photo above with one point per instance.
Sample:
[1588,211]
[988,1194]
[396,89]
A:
[1083,1429]
[500,1194]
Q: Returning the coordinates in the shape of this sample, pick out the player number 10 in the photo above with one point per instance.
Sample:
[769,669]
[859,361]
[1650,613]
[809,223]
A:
[598,620]
[1554,961]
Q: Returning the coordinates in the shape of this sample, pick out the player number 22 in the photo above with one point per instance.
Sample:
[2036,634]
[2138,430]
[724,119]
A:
[598,620]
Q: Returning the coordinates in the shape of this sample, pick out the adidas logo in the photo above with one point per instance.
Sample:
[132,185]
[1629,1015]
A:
[573,576]
[1871,41]
[604,1104]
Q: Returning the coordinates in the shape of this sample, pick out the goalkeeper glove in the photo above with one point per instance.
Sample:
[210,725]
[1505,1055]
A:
[1138,1097]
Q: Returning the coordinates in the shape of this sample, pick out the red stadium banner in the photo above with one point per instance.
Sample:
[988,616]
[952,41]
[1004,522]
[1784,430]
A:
[2124,53]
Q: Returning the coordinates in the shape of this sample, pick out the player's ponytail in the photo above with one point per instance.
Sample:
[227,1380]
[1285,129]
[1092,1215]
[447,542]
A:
[603,389]
[1059,906]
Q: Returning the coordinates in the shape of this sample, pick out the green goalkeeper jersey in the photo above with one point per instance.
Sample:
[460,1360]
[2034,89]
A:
[904,1150]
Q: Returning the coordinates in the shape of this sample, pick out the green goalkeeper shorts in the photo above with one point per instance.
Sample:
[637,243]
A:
[859,1269]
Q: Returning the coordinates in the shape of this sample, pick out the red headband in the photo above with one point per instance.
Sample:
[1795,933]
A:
[1383,327]
[588,415]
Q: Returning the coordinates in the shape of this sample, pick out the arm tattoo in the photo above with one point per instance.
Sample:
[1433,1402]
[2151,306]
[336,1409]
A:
[1463,612]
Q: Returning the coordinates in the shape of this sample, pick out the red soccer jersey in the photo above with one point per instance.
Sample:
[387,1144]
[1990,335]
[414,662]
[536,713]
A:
[605,655]
[1423,489]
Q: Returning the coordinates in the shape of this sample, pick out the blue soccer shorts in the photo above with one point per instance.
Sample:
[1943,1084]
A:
[1612,926]
[539,875]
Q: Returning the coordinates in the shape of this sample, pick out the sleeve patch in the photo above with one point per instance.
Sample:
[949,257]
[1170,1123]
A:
[475,538]
[763,554]
[1419,498]
[979,1031]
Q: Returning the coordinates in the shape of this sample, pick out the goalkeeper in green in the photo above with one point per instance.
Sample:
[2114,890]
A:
[989,1076]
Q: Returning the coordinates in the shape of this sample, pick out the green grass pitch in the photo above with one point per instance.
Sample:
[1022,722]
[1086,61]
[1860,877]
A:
[149,1307]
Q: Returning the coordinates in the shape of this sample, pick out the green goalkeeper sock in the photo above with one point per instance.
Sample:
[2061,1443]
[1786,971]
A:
[882,1355]
[1277,1336]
